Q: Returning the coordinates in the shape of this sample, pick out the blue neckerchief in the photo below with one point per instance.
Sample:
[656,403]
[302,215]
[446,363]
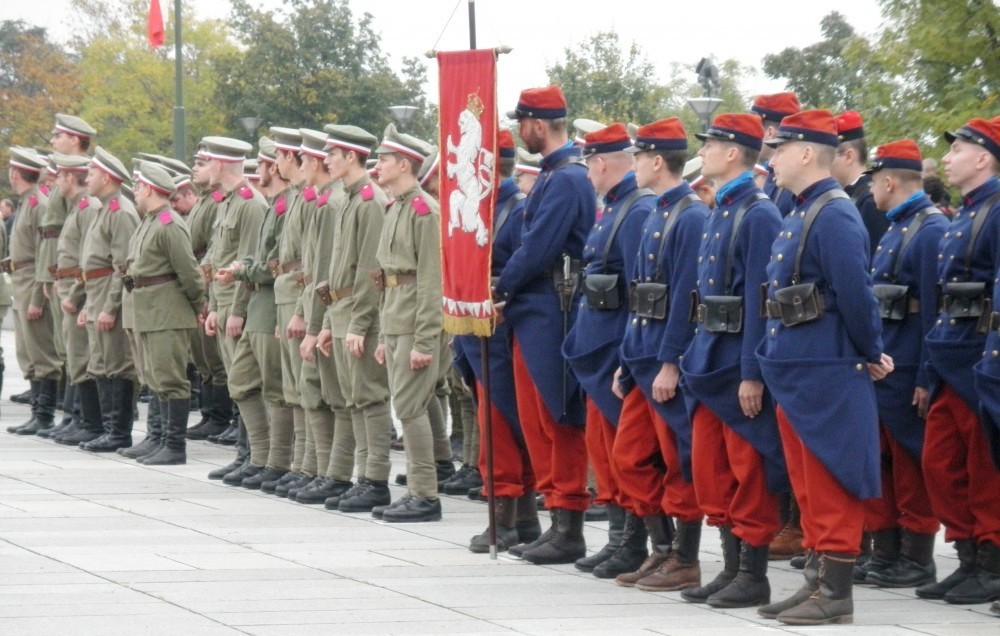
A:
[895,213]
[724,191]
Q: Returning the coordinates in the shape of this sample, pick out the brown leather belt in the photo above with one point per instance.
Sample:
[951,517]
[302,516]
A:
[342,293]
[50,234]
[149,281]
[66,272]
[395,280]
[254,287]
[287,267]
[16,265]
[94,274]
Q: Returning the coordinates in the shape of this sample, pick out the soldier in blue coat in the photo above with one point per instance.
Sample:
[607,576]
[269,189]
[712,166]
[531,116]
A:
[653,443]
[737,460]
[849,171]
[591,347]
[559,213]
[961,478]
[823,331]
[904,270]
[513,479]
[772,109]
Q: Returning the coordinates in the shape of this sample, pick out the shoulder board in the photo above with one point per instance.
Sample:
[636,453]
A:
[280,205]
[367,192]
[246,192]
[44,189]
[420,206]
[166,218]
[33,201]
[217,196]
[83,204]
[309,194]
[114,205]
[323,199]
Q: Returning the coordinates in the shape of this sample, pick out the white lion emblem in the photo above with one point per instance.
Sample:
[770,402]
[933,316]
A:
[473,168]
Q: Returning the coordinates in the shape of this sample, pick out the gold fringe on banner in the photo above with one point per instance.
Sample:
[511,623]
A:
[466,325]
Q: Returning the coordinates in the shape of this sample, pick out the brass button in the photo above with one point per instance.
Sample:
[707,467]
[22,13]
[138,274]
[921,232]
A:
[666,214]
[700,259]
[656,235]
[725,213]
[644,322]
[711,259]
[859,366]
[775,283]
[958,235]
[652,257]
[781,256]
[711,281]
[635,321]
[773,331]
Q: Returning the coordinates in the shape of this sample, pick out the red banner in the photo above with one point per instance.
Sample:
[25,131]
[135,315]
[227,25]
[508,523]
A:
[154,28]
[468,178]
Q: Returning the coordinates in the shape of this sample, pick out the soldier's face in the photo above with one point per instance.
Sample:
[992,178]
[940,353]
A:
[880,191]
[97,182]
[714,158]
[644,169]
[264,172]
[964,162]
[142,193]
[199,174]
[529,130]
[63,142]
[781,163]
[336,163]
[389,168]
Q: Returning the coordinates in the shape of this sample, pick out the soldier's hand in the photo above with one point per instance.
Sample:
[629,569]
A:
[380,354]
[498,310]
[212,324]
[881,369]
[751,397]
[81,318]
[323,342]
[35,312]
[307,348]
[665,382]
[921,400]
[234,326]
[419,360]
[225,275]
[106,322]
[296,328]
[355,344]
[616,388]
[68,307]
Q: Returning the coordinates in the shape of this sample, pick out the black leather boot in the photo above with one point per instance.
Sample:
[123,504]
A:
[966,549]
[884,552]
[519,550]
[506,525]
[730,568]
[120,435]
[368,493]
[616,526]
[155,432]
[458,484]
[321,492]
[809,587]
[220,473]
[267,475]
[834,604]
[91,425]
[984,585]
[236,477]
[71,414]
[204,407]
[220,411]
[566,544]
[528,526]
[915,565]
[750,587]
[413,510]
[45,409]
[174,450]
[631,551]
[33,401]
[660,529]
[682,569]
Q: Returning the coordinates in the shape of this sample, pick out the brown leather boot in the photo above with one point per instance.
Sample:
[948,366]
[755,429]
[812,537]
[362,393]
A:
[833,602]
[811,574]
[682,569]
[661,534]
[787,544]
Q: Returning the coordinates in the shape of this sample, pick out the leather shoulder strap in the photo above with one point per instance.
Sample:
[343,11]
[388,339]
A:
[623,211]
[977,228]
[911,231]
[811,215]
[737,222]
[678,209]
[505,211]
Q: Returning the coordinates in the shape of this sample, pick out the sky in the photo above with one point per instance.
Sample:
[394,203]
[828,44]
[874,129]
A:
[539,31]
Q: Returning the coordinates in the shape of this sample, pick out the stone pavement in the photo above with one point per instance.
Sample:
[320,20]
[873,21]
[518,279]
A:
[96,544]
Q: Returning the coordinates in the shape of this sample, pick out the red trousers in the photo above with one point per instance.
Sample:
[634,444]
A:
[645,454]
[832,518]
[962,483]
[600,442]
[512,474]
[730,482]
[904,502]
[558,451]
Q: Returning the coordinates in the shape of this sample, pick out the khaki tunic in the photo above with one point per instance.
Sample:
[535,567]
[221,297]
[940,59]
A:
[287,291]
[205,349]
[82,212]
[52,222]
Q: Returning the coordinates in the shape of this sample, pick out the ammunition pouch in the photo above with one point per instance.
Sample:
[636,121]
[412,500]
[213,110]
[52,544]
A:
[893,301]
[128,282]
[796,304]
[720,314]
[378,278]
[323,291]
[965,300]
[603,291]
[649,300]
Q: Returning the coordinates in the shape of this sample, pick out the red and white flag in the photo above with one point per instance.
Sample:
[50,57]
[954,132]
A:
[154,28]
[468,179]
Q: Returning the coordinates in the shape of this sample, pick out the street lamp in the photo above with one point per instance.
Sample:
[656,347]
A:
[402,115]
[703,107]
[251,124]
[708,78]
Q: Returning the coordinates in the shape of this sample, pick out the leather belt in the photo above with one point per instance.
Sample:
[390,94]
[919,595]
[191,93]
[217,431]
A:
[16,265]
[65,272]
[287,267]
[94,274]
[773,308]
[149,281]
[395,280]
[913,306]
[994,324]
[342,293]
[50,234]
[252,286]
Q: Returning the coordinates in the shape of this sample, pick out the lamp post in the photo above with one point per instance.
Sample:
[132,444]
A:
[251,124]
[402,115]
[703,107]
[708,78]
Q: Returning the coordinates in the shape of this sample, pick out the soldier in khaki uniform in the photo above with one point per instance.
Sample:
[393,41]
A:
[33,321]
[320,395]
[167,297]
[288,284]
[409,255]
[255,375]
[351,325]
[234,236]
[217,407]
[185,197]
[103,257]
[83,208]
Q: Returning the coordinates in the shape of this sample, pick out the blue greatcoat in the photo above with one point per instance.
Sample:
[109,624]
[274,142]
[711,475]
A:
[557,217]
[716,363]
[954,344]
[591,347]
[648,343]
[816,370]
[987,369]
[875,221]
[468,351]
[904,339]
[782,198]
